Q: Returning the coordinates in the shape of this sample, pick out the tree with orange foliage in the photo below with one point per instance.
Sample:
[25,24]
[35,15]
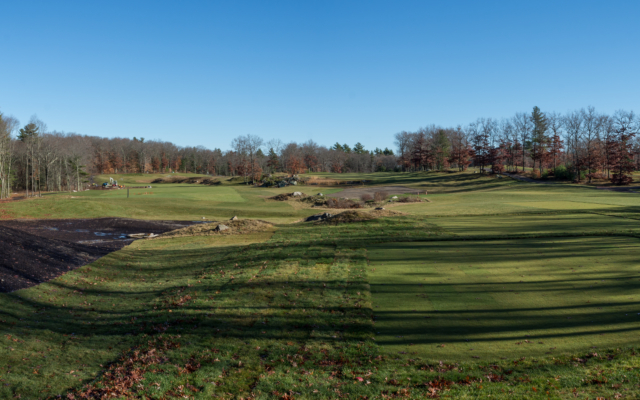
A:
[294,165]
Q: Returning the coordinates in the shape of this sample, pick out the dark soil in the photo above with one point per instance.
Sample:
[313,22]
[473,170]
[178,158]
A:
[287,196]
[35,251]
[356,192]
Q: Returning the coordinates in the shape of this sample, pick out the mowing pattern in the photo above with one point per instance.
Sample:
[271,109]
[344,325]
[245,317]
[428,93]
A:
[290,314]
[468,300]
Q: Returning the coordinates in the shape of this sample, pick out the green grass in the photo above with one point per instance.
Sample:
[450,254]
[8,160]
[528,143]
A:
[297,310]
[456,301]
[163,201]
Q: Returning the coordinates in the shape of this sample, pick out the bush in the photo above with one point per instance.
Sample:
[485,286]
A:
[561,172]
[380,196]
[366,197]
[343,203]
[409,199]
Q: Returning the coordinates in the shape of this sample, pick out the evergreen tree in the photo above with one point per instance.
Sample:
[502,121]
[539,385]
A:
[359,148]
[274,162]
[539,139]
[30,131]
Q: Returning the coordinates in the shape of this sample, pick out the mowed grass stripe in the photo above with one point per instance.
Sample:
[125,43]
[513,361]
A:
[551,223]
[458,300]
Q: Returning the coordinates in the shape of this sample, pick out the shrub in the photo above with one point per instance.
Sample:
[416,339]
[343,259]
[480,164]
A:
[343,203]
[561,172]
[366,197]
[380,196]
[409,199]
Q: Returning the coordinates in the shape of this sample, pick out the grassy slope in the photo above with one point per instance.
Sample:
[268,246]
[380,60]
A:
[293,311]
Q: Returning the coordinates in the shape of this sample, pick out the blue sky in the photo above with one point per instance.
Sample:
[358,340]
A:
[201,73]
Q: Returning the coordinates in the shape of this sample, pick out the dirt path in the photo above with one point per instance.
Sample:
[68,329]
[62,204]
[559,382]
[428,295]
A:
[356,192]
[35,251]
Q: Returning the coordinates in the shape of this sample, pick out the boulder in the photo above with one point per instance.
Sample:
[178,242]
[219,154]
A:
[221,228]
[320,194]
[296,194]
[235,218]
[394,197]
[319,217]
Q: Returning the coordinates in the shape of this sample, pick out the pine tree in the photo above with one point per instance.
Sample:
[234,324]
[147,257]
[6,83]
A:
[539,139]
[273,163]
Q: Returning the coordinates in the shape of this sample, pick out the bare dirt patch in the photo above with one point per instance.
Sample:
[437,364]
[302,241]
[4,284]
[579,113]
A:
[288,196]
[351,216]
[357,192]
[184,179]
[36,251]
[238,227]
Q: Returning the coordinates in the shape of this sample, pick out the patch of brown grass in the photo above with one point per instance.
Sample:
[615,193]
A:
[350,216]
[238,227]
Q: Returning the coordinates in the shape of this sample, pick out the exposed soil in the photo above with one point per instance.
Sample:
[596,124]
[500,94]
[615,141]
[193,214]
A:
[356,192]
[287,196]
[35,251]
[237,227]
[182,179]
[350,216]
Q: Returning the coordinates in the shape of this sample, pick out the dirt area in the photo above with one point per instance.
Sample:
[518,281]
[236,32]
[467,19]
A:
[356,192]
[35,251]
[350,216]
[237,227]
[288,196]
[182,179]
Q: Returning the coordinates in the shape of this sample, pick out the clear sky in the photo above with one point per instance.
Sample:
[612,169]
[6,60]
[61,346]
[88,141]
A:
[201,73]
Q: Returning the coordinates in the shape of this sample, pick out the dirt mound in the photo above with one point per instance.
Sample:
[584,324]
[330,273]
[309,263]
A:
[357,192]
[350,216]
[386,213]
[237,227]
[288,196]
[182,179]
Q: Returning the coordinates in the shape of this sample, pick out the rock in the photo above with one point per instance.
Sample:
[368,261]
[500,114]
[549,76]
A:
[221,228]
[379,208]
[294,183]
[204,217]
[394,197]
[319,217]
[296,194]
[235,218]
[320,194]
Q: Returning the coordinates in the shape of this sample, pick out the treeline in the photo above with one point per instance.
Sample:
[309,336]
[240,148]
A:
[34,159]
[582,144]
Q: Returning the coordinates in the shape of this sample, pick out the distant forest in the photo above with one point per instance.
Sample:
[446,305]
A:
[578,145]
